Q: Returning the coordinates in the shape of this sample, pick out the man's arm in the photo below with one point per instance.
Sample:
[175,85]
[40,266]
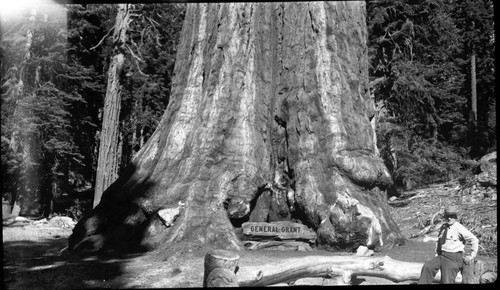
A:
[471,238]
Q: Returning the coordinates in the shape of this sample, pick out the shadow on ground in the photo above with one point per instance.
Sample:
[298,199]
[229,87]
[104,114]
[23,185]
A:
[37,265]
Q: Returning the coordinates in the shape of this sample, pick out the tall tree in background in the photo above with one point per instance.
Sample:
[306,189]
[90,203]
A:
[149,55]
[87,25]
[67,57]
[268,99]
[420,72]
[39,92]
[475,21]
[153,38]
[22,139]
[110,146]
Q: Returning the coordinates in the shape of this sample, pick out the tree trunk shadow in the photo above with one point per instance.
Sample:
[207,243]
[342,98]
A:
[35,265]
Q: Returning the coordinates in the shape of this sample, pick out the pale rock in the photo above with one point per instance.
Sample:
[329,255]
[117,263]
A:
[62,222]
[488,165]
[363,251]
[168,215]
[21,219]
[488,162]
[304,248]
[487,179]
[488,277]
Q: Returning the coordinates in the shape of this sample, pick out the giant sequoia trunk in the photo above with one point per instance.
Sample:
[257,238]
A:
[269,99]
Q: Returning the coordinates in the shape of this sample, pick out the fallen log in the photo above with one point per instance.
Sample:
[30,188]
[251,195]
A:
[292,269]
[268,276]
[339,268]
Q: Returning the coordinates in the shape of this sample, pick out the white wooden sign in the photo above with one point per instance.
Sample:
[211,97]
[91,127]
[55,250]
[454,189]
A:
[279,230]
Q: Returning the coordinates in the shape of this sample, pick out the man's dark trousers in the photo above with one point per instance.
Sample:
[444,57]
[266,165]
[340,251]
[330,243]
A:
[449,263]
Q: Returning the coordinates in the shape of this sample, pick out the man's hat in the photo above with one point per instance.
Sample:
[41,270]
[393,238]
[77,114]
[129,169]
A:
[450,210]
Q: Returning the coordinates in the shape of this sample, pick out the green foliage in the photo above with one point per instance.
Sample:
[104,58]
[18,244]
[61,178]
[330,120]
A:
[419,53]
[153,38]
[54,75]
[475,21]
[78,210]
[87,25]
[420,161]
[425,163]
[40,93]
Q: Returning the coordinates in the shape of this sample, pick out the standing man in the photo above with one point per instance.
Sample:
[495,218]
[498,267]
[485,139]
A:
[449,250]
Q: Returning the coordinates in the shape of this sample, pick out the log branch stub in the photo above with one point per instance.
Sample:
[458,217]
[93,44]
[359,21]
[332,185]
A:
[472,273]
[220,259]
[468,276]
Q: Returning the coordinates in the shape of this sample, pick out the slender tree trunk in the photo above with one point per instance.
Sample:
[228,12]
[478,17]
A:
[109,151]
[492,120]
[137,139]
[141,137]
[134,122]
[267,98]
[473,90]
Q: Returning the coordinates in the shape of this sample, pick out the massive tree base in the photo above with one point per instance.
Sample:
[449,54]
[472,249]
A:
[270,120]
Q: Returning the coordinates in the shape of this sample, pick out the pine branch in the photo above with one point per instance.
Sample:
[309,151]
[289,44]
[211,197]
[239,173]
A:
[151,21]
[104,37]
[138,59]
[375,82]
[134,55]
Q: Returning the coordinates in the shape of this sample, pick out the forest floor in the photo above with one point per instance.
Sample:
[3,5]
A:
[32,260]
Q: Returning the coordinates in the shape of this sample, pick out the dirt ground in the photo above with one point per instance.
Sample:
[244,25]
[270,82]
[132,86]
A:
[32,260]
[30,264]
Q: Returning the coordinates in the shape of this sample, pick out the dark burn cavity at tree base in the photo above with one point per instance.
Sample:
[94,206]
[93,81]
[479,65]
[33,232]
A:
[269,121]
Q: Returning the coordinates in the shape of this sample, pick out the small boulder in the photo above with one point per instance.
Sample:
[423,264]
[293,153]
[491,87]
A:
[62,222]
[488,163]
[488,277]
[363,251]
[21,219]
[486,179]
[168,215]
